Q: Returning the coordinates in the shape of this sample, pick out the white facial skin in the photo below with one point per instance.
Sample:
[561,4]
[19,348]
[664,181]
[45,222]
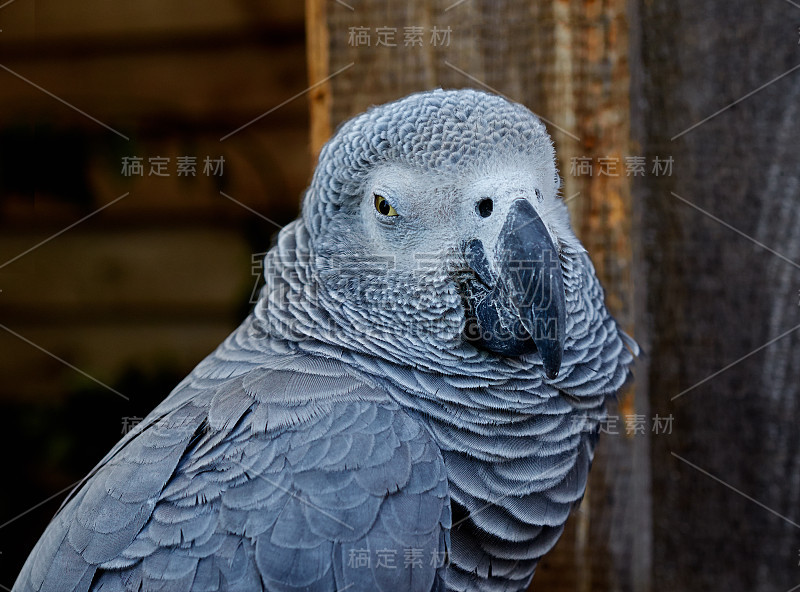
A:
[437,213]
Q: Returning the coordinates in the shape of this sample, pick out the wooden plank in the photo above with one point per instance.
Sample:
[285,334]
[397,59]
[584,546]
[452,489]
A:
[317,42]
[567,61]
[153,283]
[267,169]
[591,94]
[128,91]
[48,21]
[95,269]
[105,351]
[109,299]
[719,91]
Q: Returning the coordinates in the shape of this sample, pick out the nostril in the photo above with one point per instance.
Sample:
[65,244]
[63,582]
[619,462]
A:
[485,207]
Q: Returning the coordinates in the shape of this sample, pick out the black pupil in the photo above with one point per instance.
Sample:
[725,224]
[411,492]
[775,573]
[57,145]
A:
[485,207]
[384,207]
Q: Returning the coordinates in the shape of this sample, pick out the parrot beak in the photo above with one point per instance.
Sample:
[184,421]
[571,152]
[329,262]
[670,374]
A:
[523,309]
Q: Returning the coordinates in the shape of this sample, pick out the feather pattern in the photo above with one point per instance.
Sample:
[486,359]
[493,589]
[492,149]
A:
[230,496]
[347,435]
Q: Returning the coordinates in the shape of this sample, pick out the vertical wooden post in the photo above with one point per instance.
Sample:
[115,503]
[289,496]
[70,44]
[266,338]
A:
[721,99]
[317,41]
[567,60]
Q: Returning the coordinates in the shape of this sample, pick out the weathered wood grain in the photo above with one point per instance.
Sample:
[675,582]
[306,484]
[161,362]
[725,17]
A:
[722,246]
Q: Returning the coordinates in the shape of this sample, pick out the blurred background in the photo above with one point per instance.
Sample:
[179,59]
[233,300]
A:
[150,150]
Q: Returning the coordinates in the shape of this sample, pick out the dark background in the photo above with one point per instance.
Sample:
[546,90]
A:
[138,293]
[702,265]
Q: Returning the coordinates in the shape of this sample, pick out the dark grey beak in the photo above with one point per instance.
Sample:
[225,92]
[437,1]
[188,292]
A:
[524,309]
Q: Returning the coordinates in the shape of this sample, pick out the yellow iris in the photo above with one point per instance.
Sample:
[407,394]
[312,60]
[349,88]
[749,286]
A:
[383,206]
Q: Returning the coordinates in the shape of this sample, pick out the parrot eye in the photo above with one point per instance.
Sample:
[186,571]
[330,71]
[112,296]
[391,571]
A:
[383,206]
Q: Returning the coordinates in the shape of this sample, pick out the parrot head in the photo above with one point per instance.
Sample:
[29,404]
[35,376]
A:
[438,215]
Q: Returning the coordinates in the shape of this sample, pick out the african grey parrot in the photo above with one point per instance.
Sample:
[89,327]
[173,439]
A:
[413,403]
